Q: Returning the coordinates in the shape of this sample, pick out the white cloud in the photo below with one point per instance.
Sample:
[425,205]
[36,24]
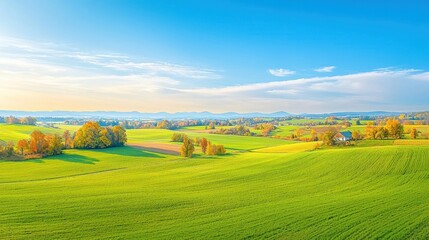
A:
[325,69]
[50,54]
[280,72]
[422,76]
[396,90]
[56,78]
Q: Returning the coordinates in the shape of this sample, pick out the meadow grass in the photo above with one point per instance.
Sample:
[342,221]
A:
[291,148]
[129,193]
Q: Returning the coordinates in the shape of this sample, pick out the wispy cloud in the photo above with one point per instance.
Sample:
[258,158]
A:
[58,77]
[280,72]
[50,54]
[325,69]
[374,90]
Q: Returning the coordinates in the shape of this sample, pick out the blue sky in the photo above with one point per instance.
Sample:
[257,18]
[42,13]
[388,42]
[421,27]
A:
[244,56]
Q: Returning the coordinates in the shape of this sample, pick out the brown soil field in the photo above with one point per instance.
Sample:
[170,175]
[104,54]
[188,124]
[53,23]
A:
[158,147]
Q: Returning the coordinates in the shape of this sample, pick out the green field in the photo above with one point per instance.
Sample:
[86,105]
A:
[231,142]
[125,193]
[16,132]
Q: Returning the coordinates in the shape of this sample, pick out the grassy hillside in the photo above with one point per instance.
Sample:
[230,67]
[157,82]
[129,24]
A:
[12,132]
[128,193]
[291,148]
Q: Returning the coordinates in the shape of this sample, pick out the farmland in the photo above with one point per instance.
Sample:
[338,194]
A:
[264,188]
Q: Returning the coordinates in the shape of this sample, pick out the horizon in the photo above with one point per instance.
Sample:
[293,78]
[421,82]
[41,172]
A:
[213,56]
[199,112]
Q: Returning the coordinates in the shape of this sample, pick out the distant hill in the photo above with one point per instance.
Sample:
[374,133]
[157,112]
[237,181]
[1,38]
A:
[138,115]
[351,114]
[179,115]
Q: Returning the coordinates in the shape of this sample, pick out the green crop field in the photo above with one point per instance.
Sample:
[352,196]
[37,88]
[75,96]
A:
[291,148]
[363,192]
[14,133]
[231,142]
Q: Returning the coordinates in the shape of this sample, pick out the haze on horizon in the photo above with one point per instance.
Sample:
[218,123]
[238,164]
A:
[217,56]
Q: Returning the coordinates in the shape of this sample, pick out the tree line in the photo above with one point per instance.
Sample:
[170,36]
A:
[15,120]
[90,136]
[237,130]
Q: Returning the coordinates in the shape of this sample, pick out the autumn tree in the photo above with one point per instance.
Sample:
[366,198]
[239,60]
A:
[107,137]
[38,142]
[330,120]
[9,149]
[381,133]
[298,132]
[177,137]
[356,135]
[204,144]
[28,121]
[54,144]
[12,120]
[68,140]
[314,135]
[220,150]
[211,125]
[414,133]
[211,149]
[120,136]
[347,123]
[370,130]
[187,148]
[197,141]
[394,128]
[88,136]
[22,145]
[328,138]
[163,124]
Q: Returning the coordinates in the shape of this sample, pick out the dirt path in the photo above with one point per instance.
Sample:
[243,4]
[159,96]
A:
[158,147]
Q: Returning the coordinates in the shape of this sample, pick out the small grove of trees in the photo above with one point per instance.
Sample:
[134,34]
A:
[178,137]
[238,130]
[39,145]
[15,120]
[213,149]
[6,149]
[265,127]
[207,148]
[392,128]
[91,135]
[164,125]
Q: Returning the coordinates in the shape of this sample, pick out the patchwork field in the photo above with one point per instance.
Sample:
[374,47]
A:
[263,189]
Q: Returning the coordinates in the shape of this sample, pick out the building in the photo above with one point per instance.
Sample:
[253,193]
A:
[343,136]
